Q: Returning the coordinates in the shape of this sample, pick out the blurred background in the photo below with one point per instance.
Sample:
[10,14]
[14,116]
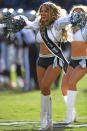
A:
[18,56]
[34,4]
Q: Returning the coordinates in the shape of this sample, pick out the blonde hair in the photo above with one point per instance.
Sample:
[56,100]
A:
[54,13]
[82,7]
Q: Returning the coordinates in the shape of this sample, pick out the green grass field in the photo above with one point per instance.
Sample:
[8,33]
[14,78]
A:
[24,107]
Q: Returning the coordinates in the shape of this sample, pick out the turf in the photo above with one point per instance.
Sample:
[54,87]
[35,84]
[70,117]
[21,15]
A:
[19,106]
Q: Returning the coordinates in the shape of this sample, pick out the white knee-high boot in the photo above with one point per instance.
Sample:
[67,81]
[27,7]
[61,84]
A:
[74,115]
[71,96]
[46,112]
[43,112]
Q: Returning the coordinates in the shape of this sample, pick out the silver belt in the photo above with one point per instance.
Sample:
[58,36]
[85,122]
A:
[46,56]
[79,58]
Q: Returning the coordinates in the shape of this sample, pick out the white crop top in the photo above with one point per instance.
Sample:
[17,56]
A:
[80,35]
[53,38]
[77,36]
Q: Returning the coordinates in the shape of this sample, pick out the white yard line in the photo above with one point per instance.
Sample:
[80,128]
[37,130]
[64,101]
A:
[61,124]
[65,126]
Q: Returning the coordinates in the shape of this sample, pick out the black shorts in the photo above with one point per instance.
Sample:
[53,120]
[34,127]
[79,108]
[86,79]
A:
[74,63]
[45,62]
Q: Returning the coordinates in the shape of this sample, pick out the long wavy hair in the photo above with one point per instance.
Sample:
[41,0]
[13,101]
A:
[54,13]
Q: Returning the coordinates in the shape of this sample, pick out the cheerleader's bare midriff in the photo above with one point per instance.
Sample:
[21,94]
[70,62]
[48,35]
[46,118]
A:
[44,50]
[79,49]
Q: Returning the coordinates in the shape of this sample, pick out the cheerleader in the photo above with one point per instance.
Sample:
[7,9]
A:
[48,23]
[77,67]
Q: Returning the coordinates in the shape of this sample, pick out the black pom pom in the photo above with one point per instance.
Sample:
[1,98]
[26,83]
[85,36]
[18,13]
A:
[18,24]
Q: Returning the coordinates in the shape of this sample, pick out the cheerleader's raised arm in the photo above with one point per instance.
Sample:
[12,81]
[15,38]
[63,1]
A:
[61,23]
[33,25]
[29,24]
